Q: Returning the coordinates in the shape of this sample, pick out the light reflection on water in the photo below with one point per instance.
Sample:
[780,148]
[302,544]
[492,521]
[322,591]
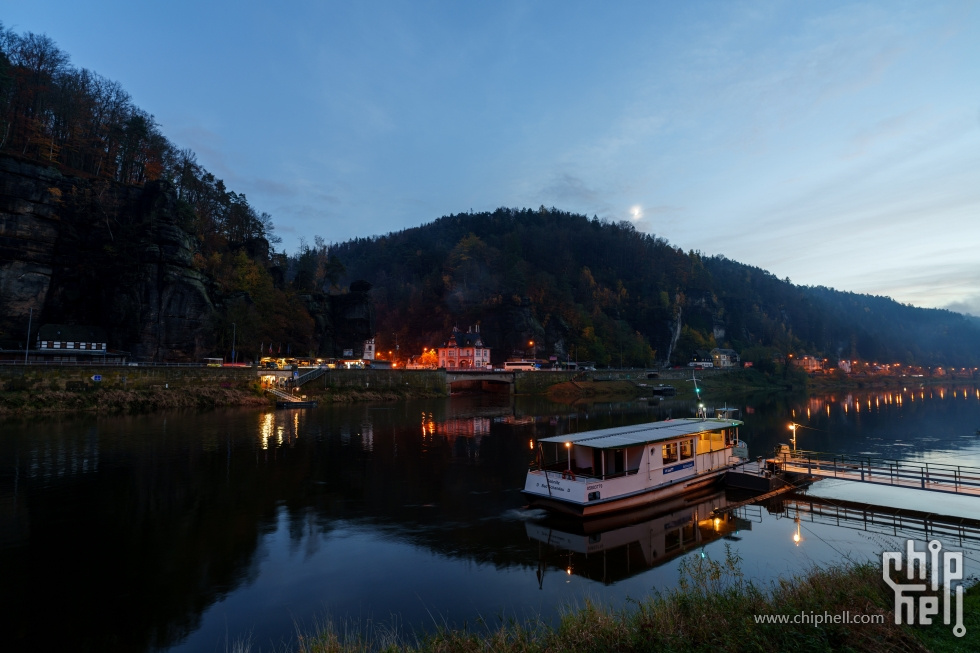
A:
[253,522]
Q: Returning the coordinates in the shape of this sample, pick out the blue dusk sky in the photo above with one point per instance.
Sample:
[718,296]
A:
[831,143]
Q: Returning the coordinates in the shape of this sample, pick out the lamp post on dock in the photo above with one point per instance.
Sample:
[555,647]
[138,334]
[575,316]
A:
[792,427]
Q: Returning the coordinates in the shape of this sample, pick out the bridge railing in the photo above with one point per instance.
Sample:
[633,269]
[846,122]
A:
[885,470]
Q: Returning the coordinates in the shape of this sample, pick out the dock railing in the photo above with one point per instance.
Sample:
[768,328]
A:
[925,476]
[883,520]
[285,396]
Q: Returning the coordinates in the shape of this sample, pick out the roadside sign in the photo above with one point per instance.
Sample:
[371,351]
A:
[97,378]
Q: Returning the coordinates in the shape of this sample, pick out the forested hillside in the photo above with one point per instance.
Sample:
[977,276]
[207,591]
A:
[122,222]
[593,290]
[91,185]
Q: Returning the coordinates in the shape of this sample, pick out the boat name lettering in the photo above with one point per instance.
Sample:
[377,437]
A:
[594,486]
[554,486]
[675,468]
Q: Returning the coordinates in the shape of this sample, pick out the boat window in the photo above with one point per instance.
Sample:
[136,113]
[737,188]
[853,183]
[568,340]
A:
[687,449]
[711,441]
[670,452]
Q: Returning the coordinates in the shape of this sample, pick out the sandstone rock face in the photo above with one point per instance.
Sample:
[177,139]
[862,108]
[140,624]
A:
[29,228]
[80,251]
[88,252]
[342,322]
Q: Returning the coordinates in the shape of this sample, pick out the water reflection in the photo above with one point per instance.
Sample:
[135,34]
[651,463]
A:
[610,549]
[173,531]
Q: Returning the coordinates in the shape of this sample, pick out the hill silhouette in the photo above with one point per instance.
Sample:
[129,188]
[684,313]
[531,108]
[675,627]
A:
[589,289]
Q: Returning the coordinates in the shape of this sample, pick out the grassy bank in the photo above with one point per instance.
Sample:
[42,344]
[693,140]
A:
[715,609]
[350,395]
[605,390]
[125,401]
[114,401]
[749,381]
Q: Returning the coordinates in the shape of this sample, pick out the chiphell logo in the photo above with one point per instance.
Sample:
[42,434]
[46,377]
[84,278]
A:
[951,566]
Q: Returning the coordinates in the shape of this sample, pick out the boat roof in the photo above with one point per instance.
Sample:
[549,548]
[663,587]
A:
[626,436]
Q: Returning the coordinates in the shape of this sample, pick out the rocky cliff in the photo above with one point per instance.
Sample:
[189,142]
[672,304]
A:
[82,251]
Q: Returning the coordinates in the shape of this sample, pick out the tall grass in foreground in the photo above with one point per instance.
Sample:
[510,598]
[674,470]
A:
[713,609]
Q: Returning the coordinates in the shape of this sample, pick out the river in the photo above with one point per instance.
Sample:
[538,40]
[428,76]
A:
[192,531]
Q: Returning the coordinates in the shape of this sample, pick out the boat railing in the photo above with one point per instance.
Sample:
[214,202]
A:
[586,473]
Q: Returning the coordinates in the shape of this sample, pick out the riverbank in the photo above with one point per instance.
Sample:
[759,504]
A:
[116,400]
[49,389]
[715,609]
[145,400]
[39,390]
[750,381]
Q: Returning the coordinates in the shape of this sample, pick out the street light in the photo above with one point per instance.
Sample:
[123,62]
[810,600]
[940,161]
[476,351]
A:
[792,427]
[234,334]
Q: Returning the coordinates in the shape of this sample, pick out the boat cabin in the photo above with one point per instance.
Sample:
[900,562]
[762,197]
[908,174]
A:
[610,469]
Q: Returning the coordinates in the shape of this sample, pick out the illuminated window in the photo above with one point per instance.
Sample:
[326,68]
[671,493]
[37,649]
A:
[670,452]
[687,449]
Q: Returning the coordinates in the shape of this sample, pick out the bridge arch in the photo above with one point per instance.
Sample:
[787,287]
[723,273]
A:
[461,380]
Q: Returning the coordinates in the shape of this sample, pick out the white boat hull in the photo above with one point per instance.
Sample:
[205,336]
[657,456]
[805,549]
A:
[571,496]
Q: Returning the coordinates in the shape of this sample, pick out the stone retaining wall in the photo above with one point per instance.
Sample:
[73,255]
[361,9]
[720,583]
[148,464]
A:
[82,377]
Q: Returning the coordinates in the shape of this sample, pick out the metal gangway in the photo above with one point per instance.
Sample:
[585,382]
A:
[284,396]
[309,376]
[955,479]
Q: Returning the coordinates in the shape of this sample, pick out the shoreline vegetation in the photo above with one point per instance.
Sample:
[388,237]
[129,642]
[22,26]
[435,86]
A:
[146,400]
[116,400]
[714,609]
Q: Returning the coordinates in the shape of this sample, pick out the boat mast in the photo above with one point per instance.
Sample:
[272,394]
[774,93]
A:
[697,397]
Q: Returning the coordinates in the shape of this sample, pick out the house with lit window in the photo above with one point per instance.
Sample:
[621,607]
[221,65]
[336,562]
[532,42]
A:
[809,363]
[724,358]
[70,343]
[464,351]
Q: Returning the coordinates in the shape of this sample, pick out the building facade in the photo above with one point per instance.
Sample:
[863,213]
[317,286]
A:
[464,351]
[724,358]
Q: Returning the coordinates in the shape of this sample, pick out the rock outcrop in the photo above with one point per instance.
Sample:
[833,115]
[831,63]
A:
[82,251]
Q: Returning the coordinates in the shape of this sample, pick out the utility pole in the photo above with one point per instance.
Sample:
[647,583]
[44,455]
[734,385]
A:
[27,345]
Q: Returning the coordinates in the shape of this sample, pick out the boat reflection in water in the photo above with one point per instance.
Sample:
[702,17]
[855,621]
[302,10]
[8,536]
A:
[613,548]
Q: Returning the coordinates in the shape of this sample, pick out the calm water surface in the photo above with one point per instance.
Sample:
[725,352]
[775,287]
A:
[190,531]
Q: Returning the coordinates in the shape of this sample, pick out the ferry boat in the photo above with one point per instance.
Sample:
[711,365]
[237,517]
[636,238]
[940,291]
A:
[603,471]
